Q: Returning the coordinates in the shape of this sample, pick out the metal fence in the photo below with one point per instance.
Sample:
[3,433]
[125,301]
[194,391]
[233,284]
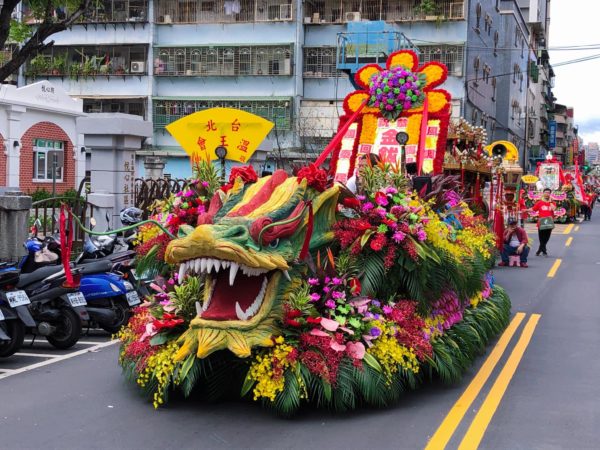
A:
[148,191]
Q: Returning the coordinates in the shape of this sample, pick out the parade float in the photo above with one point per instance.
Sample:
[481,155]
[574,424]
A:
[291,290]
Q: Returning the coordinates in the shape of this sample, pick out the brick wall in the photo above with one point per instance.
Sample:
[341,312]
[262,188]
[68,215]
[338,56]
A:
[3,162]
[45,130]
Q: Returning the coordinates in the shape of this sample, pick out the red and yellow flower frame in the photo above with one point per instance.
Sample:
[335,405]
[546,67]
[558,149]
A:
[438,105]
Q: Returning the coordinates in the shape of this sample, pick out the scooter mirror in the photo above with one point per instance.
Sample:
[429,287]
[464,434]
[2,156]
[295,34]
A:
[92,223]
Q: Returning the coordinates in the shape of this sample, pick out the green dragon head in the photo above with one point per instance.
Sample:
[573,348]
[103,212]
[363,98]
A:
[248,246]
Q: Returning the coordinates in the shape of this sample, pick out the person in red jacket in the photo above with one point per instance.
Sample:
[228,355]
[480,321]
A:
[515,243]
[544,208]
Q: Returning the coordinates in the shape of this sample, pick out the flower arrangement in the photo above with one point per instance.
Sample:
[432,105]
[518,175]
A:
[395,90]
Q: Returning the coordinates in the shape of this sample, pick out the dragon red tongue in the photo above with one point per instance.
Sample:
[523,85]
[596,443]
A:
[222,304]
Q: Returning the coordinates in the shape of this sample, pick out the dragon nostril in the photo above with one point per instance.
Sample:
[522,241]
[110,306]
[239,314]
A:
[238,233]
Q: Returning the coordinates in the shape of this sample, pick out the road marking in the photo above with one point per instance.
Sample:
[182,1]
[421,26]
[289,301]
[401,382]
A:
[445,431]
[568,229]
[554,268]
[6,370]
[568,243]
[37,355]
[577,228]
[481,421]
[58,358]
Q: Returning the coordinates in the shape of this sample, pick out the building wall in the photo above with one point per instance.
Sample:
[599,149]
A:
[3,162]
[46,130]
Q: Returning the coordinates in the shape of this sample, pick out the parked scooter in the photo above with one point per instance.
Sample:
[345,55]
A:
[56,309]
[109,297]
[14,315]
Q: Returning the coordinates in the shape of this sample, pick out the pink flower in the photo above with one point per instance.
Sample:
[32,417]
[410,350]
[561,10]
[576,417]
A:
[338,295]
[398,236]
[336,346]
[366,207]
[205,184]
[356,350]
[329,324]
[387,309]
[313,281]
[320,333]
[336,280]
[314,297]
[421,235]
[330,304]
[381,199]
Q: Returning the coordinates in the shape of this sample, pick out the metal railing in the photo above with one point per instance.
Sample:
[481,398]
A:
[222,11]
[146,192]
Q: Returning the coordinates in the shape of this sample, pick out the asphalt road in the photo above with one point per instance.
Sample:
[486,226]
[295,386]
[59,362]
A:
[543,392]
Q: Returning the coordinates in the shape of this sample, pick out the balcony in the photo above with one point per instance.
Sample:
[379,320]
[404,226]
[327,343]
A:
[126,105]
[320,62]
[342,11]
[89,62]
[230,61]
[276,109]
[222,11]
[102,12]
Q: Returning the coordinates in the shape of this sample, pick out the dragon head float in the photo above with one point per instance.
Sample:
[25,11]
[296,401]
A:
[247,245]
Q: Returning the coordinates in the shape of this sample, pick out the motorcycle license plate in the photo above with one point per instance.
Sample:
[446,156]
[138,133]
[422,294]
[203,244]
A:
[133,298]
[76,299]
[17,298]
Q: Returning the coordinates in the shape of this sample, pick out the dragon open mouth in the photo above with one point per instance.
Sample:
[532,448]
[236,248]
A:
[233,291]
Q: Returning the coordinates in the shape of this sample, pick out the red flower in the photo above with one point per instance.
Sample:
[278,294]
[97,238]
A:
[246,173]
[378,242]
[313,320]
[315,177]
[293,323]
[355,286]
[351,202]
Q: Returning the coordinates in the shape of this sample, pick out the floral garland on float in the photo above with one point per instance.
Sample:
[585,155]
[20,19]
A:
[290,291]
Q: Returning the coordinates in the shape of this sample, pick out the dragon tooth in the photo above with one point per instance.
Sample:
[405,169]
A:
[238,312]
[202,265]
[233,272]
[209,265]
[197,265]
[199,309]
[181,272]
[217,264]
[286,275]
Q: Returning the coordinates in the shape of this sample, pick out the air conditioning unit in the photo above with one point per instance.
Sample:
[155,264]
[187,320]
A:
[138,67]
[353,16]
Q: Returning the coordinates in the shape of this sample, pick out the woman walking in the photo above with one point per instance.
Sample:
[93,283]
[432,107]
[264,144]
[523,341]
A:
[545,209]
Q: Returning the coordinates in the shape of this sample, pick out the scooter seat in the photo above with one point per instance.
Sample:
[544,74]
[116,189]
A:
[114,257]
[95,267]
[37,275]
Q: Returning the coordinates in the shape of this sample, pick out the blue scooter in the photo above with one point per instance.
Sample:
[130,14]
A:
[109,297]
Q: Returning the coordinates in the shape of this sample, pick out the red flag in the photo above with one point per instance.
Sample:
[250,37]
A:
[66,239]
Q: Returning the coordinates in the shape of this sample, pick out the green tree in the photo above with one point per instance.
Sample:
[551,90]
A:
[32,39]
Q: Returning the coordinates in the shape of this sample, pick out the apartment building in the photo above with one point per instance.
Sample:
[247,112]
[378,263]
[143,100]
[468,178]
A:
[288,61]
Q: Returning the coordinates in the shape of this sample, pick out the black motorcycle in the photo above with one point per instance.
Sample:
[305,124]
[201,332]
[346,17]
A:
[14,315]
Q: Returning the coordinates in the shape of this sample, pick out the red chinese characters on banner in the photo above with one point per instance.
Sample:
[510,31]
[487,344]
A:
[211,126]
[365,149]
[202,143]
[243,147]
[235,125]
[343,165]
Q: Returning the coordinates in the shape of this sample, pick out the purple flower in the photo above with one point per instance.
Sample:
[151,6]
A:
[391,190]
[336,281]
[361,198]
[398,236]
[313,281]
[421,235]
[326,289]
[366,207]
[330,304]
[387,310]
[314,297]
[338,294]
[381,212]
[375,332]
[376,303]
[205,184]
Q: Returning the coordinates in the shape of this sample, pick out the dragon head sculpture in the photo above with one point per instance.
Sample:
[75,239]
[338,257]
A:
[247,245]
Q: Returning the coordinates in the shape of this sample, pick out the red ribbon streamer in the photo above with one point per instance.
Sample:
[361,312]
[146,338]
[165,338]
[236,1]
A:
[338,137]
[308,235]
[66,240]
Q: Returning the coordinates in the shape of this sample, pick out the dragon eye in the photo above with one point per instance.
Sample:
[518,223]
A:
[274,243]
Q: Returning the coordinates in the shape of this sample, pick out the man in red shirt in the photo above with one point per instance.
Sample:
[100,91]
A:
[515,243]
[544,208]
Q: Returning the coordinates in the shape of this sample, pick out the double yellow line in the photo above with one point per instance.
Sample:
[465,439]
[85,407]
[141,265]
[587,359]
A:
[476,430]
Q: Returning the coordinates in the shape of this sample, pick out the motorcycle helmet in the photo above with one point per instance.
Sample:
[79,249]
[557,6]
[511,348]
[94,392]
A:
[131,215]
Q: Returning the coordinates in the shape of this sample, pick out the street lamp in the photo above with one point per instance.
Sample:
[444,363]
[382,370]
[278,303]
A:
[221,154]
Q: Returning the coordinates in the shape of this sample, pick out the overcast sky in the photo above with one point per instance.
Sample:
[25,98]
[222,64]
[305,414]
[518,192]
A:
[575,22]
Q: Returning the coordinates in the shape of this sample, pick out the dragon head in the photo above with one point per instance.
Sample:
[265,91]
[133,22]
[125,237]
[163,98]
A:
[247,245]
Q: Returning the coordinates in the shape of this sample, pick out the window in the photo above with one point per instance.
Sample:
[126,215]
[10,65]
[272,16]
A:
[450,55]
[47,155]
[496,39]
[320,62]
[478,16]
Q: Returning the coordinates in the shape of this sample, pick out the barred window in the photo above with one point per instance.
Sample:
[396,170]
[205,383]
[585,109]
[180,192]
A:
[320,62]
[278,111]
[451,55]
[223,61]
[222,11]
[135,106]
